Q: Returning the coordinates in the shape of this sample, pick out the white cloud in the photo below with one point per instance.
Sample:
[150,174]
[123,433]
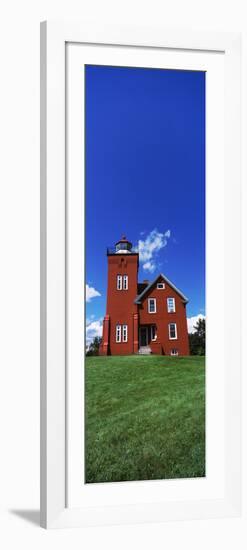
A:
[149,266]
[149,248]
[93,329]
[89,319]
[191,322]
[91,292]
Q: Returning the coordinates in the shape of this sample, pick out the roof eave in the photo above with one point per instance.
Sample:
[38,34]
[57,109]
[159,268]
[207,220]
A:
[139,298]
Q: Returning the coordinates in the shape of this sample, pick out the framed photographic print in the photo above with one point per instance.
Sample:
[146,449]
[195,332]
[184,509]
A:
[140,274]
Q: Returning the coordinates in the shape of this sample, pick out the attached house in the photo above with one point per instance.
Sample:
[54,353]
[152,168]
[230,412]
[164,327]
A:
[147,317]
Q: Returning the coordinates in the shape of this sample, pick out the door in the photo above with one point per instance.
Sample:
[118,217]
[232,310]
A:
[143,336]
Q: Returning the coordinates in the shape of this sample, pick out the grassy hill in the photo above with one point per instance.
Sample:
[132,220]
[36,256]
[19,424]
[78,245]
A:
[145,418]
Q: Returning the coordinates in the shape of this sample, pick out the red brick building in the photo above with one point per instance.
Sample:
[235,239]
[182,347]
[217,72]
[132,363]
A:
[147,317]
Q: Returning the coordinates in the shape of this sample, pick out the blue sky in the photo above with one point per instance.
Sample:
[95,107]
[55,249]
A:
[145,177]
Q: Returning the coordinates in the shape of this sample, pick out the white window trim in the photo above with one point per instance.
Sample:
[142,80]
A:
[161,287]
[173,310]
[119,280]
[155,333]
[176,334]
[174,354]
[149,300]
[125,282]
[118,341]
[125,333]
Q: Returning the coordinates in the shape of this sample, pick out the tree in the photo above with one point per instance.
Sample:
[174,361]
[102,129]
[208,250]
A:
[197,339]
[93,348]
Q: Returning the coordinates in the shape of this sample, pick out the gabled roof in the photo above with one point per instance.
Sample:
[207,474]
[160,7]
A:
[139,298]
[141,287]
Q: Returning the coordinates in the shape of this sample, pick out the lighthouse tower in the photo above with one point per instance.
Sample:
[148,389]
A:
[120,325]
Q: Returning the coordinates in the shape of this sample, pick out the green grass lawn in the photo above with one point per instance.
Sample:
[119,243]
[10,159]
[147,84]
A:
[145,418]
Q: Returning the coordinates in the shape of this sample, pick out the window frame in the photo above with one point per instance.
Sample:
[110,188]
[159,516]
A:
[155,309]
[153,327]
[124,333]
[160,287]
[120,279]
[174,354]
[118,341]
[174,304]
[125,280]
[169,331]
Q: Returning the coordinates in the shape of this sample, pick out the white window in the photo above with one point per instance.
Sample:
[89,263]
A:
[153,332]
[174,351]
[161,286]
[151,305]
[125,333]
[171,305]
[118,333]
[125,282]
[172,331]
[119,282]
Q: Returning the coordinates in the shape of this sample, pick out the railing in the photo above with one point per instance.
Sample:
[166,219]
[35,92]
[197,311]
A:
[112,250]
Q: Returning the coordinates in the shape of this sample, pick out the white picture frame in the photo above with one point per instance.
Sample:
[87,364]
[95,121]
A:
[60,310]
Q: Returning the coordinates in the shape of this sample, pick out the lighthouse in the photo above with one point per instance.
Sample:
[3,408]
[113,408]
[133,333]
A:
[146,317]
[120,325]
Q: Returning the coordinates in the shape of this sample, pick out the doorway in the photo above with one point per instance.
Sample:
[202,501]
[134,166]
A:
[143,336]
